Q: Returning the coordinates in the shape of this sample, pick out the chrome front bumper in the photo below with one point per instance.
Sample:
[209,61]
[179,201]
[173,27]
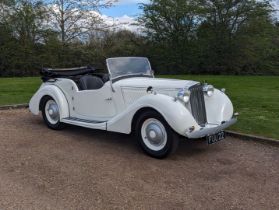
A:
[208,130]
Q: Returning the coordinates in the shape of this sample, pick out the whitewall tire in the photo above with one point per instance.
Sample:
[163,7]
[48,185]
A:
[154,135]
[51,114]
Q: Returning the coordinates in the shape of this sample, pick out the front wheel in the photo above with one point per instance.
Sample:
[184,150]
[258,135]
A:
[155,136]
[51,115]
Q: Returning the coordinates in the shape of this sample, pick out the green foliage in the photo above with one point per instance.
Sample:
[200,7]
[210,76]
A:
[208,36]
[21,35]
[181,36]
[171,26]
[123,43]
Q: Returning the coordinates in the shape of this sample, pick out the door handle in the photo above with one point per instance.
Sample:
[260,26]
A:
[108,99]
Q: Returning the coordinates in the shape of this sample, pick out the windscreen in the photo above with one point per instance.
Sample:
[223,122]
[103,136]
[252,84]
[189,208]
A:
[126,66]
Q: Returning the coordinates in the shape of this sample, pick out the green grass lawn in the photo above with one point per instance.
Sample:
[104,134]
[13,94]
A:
[256,98]
[18,90]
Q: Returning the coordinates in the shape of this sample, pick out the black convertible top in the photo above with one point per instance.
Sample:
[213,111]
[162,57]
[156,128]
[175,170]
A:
[49,73]
[67,71]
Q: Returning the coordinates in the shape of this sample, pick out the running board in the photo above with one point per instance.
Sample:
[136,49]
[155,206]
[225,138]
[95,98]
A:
[83,120]
[102,125]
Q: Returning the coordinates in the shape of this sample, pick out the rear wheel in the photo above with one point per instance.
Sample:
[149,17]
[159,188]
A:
[51,115]
[155,136]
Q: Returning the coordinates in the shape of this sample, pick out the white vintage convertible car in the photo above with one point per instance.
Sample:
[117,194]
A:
[128,99]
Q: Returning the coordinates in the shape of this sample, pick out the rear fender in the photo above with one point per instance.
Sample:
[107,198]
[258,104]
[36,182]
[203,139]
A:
[54,92]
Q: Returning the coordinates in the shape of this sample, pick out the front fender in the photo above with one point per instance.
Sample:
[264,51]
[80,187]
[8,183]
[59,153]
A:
[219,107]
[174,112]
[54,92]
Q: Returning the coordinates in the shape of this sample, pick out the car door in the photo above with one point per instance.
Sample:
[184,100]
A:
[95,105]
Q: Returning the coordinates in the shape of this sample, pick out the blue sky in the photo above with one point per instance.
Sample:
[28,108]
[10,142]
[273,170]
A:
[124,7]
[131,8]
[120,10]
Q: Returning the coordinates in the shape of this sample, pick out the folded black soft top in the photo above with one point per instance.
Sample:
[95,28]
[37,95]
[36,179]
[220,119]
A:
[49,73]
[65,72]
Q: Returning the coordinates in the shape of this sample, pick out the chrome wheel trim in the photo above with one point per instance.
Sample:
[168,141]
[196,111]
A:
[154,134]
[52,112]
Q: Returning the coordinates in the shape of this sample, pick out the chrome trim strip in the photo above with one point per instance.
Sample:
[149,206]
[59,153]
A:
[82,120]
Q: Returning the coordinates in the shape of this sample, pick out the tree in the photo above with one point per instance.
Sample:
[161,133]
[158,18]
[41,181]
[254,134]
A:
[27,20]
[74,18]
[210,36]
[22,20]
[228,27]
[171,24]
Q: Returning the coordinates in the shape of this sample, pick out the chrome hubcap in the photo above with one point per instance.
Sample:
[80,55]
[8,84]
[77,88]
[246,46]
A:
[52,111]
[154,134]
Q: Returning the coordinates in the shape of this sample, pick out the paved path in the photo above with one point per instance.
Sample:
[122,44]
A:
[79,168]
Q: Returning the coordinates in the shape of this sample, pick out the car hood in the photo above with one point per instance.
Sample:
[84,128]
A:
[156,83]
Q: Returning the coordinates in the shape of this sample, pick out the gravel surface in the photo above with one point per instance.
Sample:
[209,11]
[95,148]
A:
[79,168]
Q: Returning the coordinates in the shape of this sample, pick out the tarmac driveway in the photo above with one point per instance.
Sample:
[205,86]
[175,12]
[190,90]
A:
[79,168]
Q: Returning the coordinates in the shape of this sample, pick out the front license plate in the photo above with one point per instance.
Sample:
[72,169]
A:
[211,139]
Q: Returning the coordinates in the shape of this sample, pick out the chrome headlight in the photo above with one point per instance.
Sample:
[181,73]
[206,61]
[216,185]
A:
[183,95]
[208,89]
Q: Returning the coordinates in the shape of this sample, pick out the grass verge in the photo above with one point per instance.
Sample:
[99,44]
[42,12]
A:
[18,90]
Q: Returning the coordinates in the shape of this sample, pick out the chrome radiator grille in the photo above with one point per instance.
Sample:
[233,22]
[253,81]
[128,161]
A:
[197,104]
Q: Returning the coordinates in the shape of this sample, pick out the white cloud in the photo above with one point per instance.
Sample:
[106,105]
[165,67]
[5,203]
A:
[275,4]
[112,23]
[123,22]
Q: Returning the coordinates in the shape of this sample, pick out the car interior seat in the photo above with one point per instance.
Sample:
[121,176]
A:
[105,78]
[89,82]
